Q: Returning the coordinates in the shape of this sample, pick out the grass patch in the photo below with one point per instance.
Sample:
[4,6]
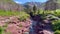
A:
[8,13]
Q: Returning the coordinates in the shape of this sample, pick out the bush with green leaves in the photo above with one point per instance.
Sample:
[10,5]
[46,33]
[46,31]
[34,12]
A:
[56,25]
[23,16]
[1,30]
[57,32]
[57,13]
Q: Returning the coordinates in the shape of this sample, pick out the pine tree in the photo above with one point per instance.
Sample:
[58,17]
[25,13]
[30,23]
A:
[34,8]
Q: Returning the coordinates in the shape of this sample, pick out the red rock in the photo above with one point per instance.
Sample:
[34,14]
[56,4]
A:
[14,28]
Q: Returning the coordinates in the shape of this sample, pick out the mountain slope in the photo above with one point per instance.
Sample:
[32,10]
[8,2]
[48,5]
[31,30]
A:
[52,5]
[10,5]
[38,4]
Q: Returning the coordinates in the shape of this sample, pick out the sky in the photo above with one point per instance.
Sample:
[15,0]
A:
[24,1]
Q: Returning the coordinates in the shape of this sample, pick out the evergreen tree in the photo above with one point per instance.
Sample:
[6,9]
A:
[34,8]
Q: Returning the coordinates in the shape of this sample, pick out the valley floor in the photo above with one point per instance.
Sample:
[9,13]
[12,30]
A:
[15,26]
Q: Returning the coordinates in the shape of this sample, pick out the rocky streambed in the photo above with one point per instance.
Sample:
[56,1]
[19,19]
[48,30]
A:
[40,26]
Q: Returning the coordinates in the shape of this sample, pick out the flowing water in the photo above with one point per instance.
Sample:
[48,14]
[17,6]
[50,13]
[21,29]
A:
[46,28]
[32,29]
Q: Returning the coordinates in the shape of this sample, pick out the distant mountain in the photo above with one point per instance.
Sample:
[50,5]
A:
[52,5]
[10,5]
[49,5]
[31,4]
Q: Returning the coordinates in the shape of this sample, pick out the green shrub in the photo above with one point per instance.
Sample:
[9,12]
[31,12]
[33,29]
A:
[2,30]
[23,16]
[57,32]
[57,13]
[56,25]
